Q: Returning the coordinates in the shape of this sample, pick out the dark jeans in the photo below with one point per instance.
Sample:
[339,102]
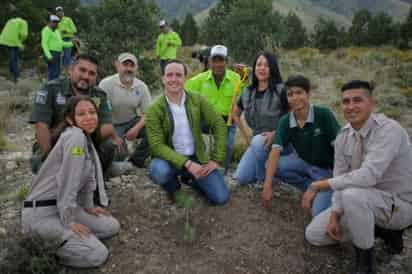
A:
[67,54]
[213,186]
[141,152]
[53,66]
[14,63]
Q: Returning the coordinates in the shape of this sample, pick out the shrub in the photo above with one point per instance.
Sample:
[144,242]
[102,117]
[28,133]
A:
[30,254]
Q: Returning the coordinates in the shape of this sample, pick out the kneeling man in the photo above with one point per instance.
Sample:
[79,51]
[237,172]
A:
[372,180]
[173,125]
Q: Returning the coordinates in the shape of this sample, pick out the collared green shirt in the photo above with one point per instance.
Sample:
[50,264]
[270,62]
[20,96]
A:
[66,27]
[220,98]
[314,142]
[51,100]
[167,45]
[52,41]
[14,33]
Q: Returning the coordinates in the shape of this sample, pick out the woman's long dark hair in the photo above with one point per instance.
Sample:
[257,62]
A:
[275,78]
[69,112]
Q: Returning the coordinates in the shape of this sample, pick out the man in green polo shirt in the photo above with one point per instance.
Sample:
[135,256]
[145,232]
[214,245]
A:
[309,131]
[218,86]
[50,102]
[67,30]
[167,44]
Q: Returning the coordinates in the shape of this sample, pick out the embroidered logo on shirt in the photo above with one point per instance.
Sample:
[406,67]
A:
[60,99]
[41,97]
[137,92]
[317,132]
[96,101]
[77,151]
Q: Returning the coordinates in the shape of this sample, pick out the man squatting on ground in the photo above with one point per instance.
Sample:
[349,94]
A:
[309,132]
[173,124]
[372,180]
[51,100]
[129,98]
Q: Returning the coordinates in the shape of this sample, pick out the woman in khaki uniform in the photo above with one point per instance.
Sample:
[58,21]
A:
[60,203]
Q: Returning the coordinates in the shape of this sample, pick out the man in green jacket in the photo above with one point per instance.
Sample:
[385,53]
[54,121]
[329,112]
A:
[12,36]
[173,124]
[167,44]
[218,86]
[52,45]
[67,30]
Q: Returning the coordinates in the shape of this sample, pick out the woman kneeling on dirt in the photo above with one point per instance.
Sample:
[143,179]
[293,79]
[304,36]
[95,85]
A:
[263,104]
[60,204]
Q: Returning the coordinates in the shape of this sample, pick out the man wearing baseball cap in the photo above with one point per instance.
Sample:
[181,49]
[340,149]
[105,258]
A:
[167,44]
[129,98]
[218,85]
[52,45]
[67,30]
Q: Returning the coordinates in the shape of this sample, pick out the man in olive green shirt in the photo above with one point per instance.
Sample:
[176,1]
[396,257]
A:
[50,102]
[67,30]
[12,36]
[167,44]
[310,132]
[218,86]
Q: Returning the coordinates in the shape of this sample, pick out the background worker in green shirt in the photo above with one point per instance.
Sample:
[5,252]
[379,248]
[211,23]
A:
[67,30]
[310,131]
[218,86]
[12,36]
[52,46]
[167,44]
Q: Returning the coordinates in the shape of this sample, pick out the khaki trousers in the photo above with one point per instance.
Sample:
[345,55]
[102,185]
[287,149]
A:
[362,209]
[76,251]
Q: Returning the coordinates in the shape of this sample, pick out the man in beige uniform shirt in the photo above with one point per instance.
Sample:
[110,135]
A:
[129,98]
[372,180]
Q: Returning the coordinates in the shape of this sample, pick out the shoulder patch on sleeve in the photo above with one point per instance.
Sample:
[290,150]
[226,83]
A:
[77,151]
[41,97]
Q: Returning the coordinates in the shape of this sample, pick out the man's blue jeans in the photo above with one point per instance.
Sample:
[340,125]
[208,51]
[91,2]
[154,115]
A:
[213,186]
[14,62]
[53,66]
[67,54]
[295,171]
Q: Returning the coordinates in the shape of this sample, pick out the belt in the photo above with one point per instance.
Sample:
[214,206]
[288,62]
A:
[39,203]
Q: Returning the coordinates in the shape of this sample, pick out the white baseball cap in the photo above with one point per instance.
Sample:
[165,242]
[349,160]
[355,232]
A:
[218,50]
[54,18]
[162,23]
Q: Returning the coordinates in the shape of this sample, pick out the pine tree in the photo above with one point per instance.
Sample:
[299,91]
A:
[358,32]
[327,35]
[381,30]
[406,31]
[296,32]
[175,25]
[189,31]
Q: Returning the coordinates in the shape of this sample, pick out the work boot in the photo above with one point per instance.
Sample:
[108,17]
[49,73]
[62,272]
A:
[365,261]
[393,239]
